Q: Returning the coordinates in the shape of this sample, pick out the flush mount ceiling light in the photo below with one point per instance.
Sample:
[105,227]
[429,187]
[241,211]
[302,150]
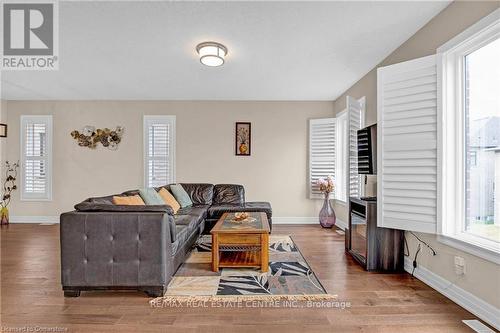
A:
[211,53]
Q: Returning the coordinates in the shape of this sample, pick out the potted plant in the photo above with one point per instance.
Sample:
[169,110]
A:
[9,185]
[327,216]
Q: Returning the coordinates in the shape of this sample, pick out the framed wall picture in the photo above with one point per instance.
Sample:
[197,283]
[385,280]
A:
[243,136]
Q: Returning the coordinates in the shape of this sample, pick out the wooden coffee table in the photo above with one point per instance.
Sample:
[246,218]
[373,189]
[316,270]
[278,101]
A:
[241,244]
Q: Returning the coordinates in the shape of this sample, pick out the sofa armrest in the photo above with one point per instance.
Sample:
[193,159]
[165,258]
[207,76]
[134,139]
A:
[116,249]
[103,207]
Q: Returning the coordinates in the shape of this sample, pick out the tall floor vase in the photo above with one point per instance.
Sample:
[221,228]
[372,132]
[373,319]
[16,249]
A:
[327,216]
[4,216]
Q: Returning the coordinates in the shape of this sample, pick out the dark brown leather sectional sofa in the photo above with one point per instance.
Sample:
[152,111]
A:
[106,246]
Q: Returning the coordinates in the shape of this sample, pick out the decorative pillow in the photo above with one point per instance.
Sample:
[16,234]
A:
[169,199]
[130,200]
[150,196]
[181,195]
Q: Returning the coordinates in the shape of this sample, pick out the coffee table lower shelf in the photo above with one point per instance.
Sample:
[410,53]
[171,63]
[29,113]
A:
[240,251]
[239,258]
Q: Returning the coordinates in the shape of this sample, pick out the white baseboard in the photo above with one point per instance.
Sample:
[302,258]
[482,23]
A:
[304,220]
[485,311]
[295,220]
[34,219]
[341,224]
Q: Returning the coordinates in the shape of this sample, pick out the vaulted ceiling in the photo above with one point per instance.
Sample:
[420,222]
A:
[277,50]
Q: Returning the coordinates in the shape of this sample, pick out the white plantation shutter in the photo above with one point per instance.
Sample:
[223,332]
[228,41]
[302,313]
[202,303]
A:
[407,145]
[355,109]
[342,157]
[321,152]
[159,149]
[36,151]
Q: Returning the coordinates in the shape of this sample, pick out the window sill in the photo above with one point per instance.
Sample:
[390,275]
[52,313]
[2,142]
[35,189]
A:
[340,202]
[35,199]
[476,249]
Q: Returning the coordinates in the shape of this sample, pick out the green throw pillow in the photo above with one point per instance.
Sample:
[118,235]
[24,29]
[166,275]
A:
[150,196]
[181,195]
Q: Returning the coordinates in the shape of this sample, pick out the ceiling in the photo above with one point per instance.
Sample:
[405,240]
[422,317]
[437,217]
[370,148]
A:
[277,50]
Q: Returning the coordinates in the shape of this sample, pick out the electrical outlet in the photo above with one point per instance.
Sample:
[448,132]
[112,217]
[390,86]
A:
[459,265]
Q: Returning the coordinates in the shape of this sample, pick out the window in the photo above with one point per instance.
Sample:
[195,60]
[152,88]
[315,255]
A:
[482,141]
[471,138]
[159,150]
[322,161]
[356,122]
[341,179]
[333,151]
[36,155]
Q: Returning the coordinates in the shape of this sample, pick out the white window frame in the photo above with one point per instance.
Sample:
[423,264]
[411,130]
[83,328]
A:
[341,170]
[160,119]
[451,141]
[362,115]
[312,122]
[47,120]
[342,160]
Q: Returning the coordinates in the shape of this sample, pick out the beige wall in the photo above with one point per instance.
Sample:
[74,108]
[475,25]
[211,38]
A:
[483,277]
[3,141]
[276,171]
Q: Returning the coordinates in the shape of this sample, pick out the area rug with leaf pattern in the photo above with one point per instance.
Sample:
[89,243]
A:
[289,276]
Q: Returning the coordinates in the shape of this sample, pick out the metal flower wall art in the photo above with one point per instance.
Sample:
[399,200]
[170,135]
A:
[90,137]
[9,185]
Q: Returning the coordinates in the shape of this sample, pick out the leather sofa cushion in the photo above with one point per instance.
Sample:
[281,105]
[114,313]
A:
[131,192]
[190,217]
[198,212]
[216,211]
[200,194]
[188,220]
[229,194]
[182,234]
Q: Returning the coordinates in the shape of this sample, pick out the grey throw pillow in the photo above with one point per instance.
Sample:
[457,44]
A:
[181,195]
[150,196]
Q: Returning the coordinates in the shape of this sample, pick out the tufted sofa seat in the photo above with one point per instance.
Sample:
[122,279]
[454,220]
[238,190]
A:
[108,247]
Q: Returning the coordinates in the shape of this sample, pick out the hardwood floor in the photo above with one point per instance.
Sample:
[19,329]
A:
[31,295]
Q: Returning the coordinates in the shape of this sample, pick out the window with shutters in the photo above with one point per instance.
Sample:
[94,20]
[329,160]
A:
[322,138]
[438,150]
[36,155]
[341,154]
[356,119]
[159,150]
[331,143]
[470,122]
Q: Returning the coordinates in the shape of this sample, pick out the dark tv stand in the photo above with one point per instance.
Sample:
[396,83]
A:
[374,248]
